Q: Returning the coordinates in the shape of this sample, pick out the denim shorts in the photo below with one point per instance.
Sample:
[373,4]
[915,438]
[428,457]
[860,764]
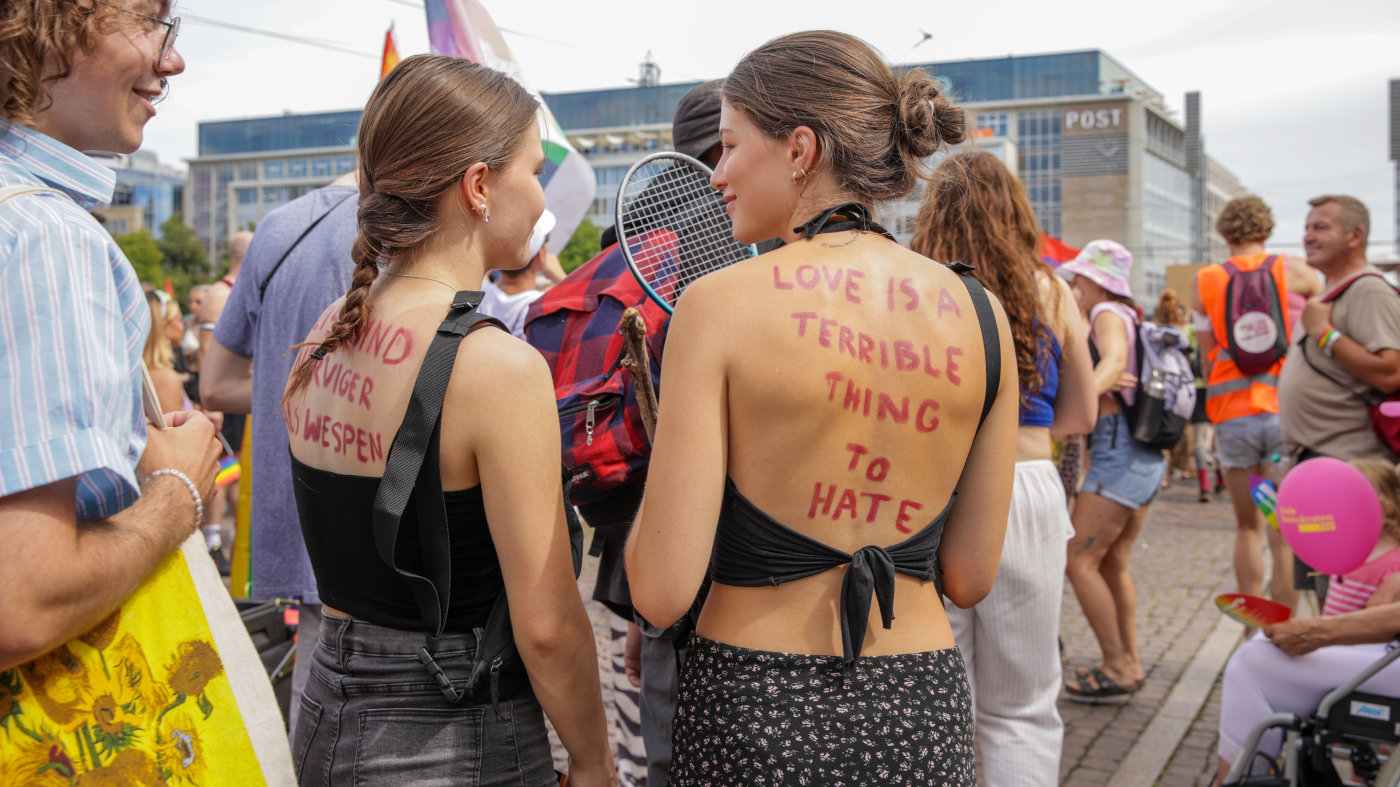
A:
[371,714]
[1248,440]
[1120,468]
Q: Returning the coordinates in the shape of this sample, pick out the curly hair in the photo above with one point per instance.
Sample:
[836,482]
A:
[1245,219]
[38,39]
[1382,476]
[1168,308]
[975,211]
[426,123]
[874,128]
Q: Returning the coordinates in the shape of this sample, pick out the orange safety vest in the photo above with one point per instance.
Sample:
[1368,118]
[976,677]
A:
[1229,393]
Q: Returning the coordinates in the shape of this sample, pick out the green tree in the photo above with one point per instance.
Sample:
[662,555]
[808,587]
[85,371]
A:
[141,248]
[582,247]
[183,251]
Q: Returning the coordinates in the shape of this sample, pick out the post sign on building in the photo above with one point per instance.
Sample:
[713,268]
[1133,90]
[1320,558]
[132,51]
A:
[1094,119]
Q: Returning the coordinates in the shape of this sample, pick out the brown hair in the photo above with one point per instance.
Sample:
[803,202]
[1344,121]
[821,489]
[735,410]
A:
[1244,220]
[975,211]
[426,123]
[1382,476]
[38,39]
[1168,308]
[1354,214]
[873,129]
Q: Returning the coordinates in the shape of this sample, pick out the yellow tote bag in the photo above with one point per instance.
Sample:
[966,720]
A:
[167,690]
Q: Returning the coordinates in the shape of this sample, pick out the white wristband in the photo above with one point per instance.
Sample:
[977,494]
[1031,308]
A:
[194,491]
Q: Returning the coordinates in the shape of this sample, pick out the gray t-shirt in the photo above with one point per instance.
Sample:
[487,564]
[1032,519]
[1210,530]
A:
[262,327]
[1317,413]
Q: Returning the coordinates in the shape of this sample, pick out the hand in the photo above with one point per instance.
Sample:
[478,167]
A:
[188,445]
[1125,382]
[1316,317]
[1298,636]
[604,773]
[632,655]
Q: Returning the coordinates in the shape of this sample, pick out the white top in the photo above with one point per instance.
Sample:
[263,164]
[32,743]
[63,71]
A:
[509,309]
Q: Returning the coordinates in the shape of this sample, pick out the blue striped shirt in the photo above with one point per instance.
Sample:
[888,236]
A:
[73,322]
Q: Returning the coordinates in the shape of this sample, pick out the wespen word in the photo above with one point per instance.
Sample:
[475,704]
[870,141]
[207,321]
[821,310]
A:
[900,354]
[340,436]
[869,403]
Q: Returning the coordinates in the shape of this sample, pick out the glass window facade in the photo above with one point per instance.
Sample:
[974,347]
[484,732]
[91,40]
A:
[1035,76]
[994,122]
[248,170]
[283,132]
[1038,145]
[296,168]
[623,106]
[321,167]
[272,170]
[1166,221]
[344,164]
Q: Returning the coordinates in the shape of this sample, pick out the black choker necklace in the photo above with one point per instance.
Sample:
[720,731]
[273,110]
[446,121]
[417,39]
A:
[857,217]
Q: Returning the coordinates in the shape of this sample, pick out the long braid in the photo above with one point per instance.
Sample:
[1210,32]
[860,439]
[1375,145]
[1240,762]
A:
[354,315]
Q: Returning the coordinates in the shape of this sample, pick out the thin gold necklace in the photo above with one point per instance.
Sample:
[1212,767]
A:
[425,278]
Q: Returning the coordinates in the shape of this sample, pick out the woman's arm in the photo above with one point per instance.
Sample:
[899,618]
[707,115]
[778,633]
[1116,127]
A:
[1111,339]
[517,454]
[170,389]
[972,537]
[1076,403]
[669,547]
[1304,635]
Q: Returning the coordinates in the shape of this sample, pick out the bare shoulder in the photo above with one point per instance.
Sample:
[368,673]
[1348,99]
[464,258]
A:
[494,365]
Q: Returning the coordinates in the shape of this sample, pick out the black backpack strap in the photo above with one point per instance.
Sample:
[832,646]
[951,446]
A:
[262,288]
[413,466]
[991,337]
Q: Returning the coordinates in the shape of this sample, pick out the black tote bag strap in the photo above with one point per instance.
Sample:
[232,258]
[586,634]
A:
[991,337]
[412,464]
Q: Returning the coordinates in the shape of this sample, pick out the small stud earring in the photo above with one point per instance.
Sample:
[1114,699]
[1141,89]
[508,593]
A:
[485,214]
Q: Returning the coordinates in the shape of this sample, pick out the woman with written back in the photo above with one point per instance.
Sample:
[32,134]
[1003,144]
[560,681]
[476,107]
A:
[826,404]
[976,211]
[449,161]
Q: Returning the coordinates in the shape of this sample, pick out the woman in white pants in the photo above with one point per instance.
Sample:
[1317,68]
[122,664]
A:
[976,211]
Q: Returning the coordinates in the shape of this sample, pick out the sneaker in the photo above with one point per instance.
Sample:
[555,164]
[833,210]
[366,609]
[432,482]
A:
[220,562]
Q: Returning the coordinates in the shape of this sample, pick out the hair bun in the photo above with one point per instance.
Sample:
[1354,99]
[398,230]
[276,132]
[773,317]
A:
[927,119]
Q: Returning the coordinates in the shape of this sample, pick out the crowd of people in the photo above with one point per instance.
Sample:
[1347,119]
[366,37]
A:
[941,439]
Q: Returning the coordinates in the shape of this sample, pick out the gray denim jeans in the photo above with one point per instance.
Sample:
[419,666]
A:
[372,715]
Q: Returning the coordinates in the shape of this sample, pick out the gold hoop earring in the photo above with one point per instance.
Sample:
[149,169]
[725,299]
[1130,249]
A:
[799,176]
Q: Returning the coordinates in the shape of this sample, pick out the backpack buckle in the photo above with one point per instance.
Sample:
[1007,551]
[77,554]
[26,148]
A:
[444,683]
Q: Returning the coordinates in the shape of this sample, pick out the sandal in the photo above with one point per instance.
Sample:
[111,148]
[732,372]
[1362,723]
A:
[1104,688]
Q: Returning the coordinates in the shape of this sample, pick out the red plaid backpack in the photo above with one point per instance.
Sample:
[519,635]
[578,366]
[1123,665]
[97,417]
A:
[574,325]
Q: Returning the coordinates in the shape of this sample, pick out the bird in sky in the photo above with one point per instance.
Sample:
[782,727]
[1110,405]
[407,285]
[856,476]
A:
[927,36]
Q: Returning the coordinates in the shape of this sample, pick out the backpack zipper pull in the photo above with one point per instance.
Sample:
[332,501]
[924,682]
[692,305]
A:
[590,420]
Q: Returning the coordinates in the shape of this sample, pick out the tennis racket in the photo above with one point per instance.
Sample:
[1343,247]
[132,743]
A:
[672,225]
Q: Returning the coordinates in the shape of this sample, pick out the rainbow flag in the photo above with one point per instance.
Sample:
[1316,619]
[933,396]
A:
[229,471]
[1054,252]
[391,53]
[462,28]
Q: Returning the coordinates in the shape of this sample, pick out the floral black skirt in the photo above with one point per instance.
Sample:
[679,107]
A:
[751,717]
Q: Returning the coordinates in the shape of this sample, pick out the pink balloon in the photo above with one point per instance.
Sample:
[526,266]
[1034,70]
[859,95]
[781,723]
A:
[1328,512]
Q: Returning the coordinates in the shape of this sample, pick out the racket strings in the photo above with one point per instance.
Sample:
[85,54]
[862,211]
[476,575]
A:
[675,224]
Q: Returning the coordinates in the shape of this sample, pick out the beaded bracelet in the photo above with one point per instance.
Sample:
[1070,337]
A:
[194,490]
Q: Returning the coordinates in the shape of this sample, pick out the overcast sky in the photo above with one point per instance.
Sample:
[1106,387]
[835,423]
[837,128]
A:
[1294,94]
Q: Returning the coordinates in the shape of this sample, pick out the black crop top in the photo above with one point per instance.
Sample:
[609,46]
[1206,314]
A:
[753,549]
[337,525]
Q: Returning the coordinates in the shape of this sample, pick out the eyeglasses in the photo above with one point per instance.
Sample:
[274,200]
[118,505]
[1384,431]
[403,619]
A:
[172,29]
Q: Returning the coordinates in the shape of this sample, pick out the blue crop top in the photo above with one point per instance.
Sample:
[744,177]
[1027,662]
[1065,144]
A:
[1040,409]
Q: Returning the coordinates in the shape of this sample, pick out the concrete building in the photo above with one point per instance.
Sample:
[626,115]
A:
[249,166]
[1100,154]
[148,192]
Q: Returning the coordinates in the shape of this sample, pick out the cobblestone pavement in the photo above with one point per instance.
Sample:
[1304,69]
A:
[1182,560]
[1180,563]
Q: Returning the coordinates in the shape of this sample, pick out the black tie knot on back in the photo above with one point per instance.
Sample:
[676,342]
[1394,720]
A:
[871,573]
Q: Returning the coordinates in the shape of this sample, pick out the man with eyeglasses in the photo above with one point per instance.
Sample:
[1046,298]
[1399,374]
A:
[90,497]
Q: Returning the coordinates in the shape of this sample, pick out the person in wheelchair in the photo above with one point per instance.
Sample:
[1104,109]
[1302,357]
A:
[1294,664]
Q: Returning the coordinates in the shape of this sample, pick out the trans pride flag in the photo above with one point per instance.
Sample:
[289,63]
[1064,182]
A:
[462,28]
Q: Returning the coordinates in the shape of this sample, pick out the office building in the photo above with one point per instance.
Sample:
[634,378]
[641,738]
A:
[148,192]
[247,167]
[1100,154]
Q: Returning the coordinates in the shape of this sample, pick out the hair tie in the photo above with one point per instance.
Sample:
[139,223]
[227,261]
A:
[318,353]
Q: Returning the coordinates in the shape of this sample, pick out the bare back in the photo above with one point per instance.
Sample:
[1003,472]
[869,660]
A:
[851,384]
